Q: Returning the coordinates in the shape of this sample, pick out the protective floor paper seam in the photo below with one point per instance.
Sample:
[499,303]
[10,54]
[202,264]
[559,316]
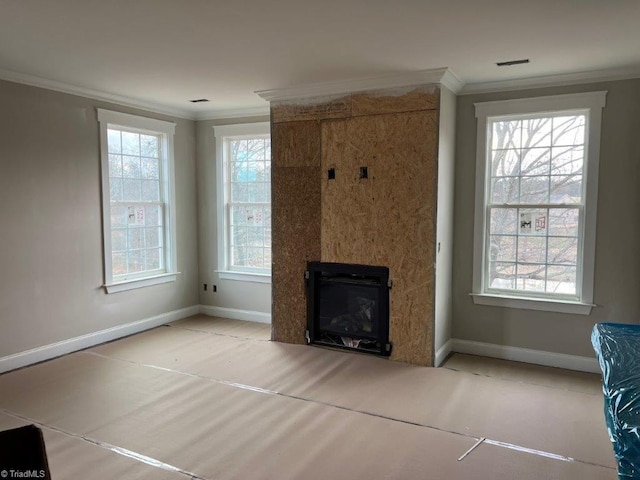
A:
[216,333]
[107,446]
[496,443]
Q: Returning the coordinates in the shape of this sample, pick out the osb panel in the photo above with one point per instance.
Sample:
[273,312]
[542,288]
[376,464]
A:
[295,241]
[311,109]
[389,218]
[296,144]
[394,101]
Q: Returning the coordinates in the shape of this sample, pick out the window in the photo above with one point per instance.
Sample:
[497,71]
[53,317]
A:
[244,201]
[137,200]
[536,189]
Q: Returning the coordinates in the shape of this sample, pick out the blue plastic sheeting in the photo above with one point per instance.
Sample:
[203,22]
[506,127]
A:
[618,349]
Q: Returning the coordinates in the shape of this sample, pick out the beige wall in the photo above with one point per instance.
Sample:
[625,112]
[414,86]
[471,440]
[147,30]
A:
[51,228]
[617,269]
[230,293]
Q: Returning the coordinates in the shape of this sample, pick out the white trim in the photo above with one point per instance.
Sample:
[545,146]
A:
[143,282]
[106,119]
[135,121]
[56,86]
[442,353]
[592,104]
[393,80]
[517,354]
[221,132]
[543,305]
[576,78]
[235,314]
[47,352]
[233,113]
[244,276]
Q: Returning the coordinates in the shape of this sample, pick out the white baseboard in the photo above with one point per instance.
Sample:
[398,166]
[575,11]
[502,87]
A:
[235,314]
[47,352]
[538,357]
[443,352]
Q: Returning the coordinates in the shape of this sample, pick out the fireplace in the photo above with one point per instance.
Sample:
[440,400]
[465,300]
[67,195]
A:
[348,307]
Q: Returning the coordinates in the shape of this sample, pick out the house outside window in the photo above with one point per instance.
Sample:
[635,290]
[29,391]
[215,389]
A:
[243,169]
[536,196]
[138,200]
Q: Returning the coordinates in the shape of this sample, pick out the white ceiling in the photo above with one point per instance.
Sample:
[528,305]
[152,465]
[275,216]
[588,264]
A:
[165,52]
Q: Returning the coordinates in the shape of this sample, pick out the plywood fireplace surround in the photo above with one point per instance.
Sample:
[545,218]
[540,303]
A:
[387,219]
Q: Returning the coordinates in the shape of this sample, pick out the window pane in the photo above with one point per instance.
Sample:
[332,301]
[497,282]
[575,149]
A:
[153,258]
[536,132]
[150,191]
[504,190]
[505,163]
[502,248]
[566,189]
[116,190]
[118,239]
[118,216]
[150,168]
[563,250]
[534,190]
[149,145]
[135,238]
[131,191]
[113,141]
[532,249]
[506,135]
[533,221]
[131,167]
[239,235]
[267,149]
[238,150]
[118,263]
[531,277]
[536,161]
[563,221]
[136,261]
[130,143]
[152,237]
[239,192]
[569,130]
[255,149]
[153,215]
[504,220]
[567,160]
[562,280]
[502,275]
[115,165]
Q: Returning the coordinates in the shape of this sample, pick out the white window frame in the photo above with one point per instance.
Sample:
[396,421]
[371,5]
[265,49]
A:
[223,134]
[166,130]
[590,103]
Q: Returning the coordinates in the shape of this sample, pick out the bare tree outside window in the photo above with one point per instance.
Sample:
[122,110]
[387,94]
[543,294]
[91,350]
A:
[535,203]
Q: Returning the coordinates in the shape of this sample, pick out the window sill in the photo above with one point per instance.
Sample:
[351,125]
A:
[141,282]
[244,276]
[559,306]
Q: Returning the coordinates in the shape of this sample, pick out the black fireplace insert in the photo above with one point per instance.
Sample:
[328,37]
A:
[348,306]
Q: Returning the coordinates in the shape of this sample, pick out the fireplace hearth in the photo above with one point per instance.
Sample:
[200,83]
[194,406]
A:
[348,307]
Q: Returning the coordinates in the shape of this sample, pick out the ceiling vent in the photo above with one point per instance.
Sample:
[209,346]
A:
[512,62]
[199,100]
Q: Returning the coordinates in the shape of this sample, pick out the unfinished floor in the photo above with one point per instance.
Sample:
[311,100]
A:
[210,398]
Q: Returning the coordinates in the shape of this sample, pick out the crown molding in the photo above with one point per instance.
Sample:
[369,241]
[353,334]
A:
[341,87]
[35,81]
[552,80]
[233,113]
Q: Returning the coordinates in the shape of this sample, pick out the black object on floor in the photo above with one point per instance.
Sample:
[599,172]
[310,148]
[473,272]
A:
[22,450]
